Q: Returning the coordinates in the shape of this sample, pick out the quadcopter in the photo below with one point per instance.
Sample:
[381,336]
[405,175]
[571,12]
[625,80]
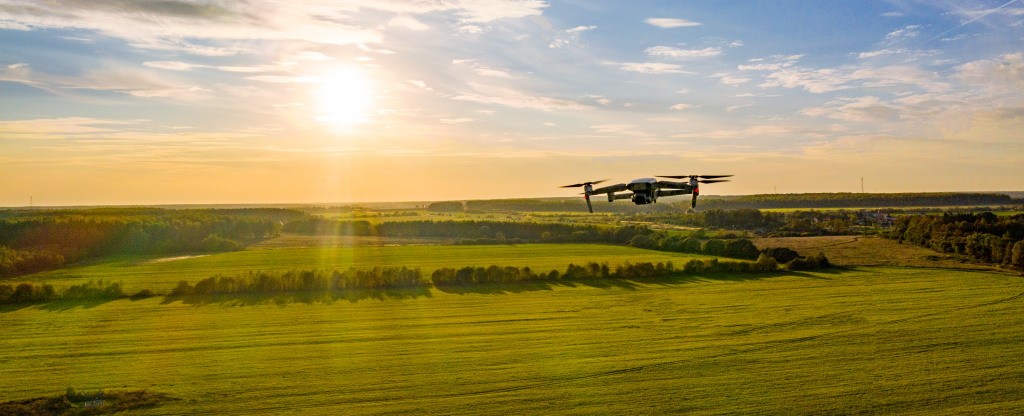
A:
[648,190]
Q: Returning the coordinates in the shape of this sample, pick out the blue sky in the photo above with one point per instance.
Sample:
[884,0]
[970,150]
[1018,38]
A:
[175,101]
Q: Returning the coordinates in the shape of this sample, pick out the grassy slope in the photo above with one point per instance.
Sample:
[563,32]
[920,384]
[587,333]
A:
[869,340]
[857,250]
[136,274]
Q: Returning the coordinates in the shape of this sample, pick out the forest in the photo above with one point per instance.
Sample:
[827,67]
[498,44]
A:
[984,237]
[32,241]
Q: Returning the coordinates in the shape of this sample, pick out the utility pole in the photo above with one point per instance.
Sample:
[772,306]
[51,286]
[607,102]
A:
[861,185]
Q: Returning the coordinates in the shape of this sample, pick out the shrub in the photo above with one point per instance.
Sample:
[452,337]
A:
[781,254]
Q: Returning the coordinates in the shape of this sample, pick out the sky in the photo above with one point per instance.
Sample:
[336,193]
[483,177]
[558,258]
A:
[303,101]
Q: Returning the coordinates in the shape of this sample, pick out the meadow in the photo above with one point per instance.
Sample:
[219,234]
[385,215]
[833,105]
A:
[849,340]
[137,273]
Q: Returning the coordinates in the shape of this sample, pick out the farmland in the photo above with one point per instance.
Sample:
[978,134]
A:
[855,340]
[138,273]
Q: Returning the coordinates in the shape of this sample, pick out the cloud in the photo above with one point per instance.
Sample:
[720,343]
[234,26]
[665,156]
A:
[833,79]
[670,52]
[456,120]
[483,11]
[670,23]
[683,91]
[729,109]
[619,129]
[733,80]
[604,101]
[470,29]
[420,84]
[516,99]
[683,106]
[459,61]
[652,68]
[309,56]
[55,128]
[904,33]
[736,44]
[863,109]
[172,65]
[997,73]
[1005,11]
[16,66]
[762,67]
[880,53]
[407,22]
[287,79]
[892,14]
[666,119]
[751,132]
[549,124]
[488,72]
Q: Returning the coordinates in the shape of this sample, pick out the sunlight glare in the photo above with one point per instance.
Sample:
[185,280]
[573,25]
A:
[344,97]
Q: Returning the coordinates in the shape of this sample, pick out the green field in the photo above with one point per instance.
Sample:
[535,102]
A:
[142,273]
[860,340]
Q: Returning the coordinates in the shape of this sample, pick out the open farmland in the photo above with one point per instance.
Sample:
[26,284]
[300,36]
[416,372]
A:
[857,250]
[138,273]
[864,340]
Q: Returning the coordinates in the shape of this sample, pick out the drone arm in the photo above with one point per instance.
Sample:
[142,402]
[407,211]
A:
[674,185]
[664,192]
[608,189]
[613,197]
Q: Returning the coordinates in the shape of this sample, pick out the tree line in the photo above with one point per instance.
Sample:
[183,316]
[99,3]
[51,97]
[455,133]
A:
[861,200]
[983,237]
[33,293]
[32,241]
[524,231]
[399,277]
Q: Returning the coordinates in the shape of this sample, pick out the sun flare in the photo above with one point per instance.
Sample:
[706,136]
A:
[344,97]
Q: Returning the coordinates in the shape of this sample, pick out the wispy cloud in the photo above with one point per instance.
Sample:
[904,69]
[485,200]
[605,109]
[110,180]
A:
[456,120]
[652,68]
[407,22]
[670,23]
[515,99]
[670,52]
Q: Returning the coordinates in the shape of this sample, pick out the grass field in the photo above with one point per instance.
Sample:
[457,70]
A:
[138,273]
[869,251]
[865,340]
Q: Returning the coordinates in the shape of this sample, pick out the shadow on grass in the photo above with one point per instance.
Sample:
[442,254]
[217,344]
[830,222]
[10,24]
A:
[285,298]
[633,284]
[502,288]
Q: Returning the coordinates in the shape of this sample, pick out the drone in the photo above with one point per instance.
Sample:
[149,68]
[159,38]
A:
[648,190]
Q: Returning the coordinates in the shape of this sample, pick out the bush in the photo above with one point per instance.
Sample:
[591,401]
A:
[781,254]
[28,293]
[144,293]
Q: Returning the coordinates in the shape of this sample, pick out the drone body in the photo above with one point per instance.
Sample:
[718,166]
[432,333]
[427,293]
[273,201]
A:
[647,190]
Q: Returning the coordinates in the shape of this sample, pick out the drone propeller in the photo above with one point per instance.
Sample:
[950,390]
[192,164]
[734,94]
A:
[697,177]
[583,184]
[715,181]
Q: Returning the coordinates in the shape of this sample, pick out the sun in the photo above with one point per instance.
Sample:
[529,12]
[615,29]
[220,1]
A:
[344,96]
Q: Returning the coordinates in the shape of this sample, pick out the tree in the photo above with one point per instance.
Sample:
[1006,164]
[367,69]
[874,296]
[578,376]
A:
[1018,254]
